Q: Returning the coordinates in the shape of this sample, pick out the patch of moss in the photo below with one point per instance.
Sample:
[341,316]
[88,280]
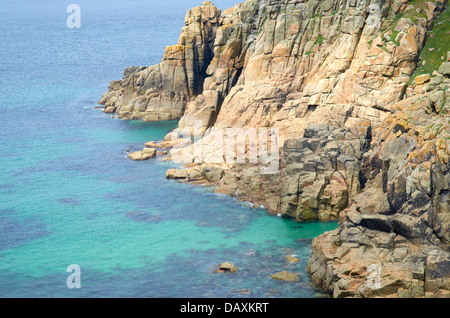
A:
[412,13]
[437,128]
[416,5]
[319,40]
[391,23]
[393,37]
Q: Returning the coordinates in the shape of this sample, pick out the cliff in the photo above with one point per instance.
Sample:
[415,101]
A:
[398,228]
[333,90]
[294,62]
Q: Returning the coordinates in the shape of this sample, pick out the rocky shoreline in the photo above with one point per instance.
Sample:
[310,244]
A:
[331,89]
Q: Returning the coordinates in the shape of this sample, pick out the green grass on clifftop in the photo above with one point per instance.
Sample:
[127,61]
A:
[439,43]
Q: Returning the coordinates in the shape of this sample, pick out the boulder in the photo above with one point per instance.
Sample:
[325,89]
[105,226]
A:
[226,267]
[445,69]
[286,276]
[141,155]
[177,174]
[422,79]
[212,173]
[292,259]
[410,227]
[150,151]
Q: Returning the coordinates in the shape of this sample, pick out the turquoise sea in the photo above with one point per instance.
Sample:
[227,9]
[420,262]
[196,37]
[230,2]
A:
[69,195]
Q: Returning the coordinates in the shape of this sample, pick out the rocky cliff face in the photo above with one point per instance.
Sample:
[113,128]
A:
[399,227]
[162,91]
[357,137]
[280,64]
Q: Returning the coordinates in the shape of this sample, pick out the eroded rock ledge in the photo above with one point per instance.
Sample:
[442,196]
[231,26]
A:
[356,142]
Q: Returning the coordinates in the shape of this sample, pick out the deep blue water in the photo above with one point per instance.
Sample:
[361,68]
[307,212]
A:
[69,195]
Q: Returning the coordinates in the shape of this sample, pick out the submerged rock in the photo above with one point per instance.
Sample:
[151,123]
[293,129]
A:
[292,259]
[286,276]
[226,267]
[147,153]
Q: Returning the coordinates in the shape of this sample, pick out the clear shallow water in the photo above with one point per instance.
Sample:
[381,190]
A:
[69,195]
